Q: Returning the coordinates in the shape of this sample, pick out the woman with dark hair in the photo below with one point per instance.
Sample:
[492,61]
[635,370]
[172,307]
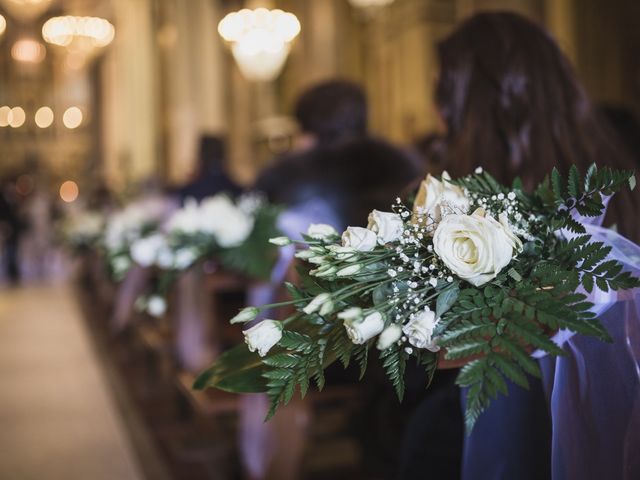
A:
[511,103]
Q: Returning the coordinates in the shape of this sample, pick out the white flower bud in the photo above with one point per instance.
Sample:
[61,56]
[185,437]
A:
[263,336]
[359,331]
[326,308]
[317,260]
[350,313]
[349,271]
[280,241]
[245,315]
[305,254]
[316,303]
[321,231]
[324,271]
[389,336]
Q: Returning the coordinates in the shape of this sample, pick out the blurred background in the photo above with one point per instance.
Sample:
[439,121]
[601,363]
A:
[104,100]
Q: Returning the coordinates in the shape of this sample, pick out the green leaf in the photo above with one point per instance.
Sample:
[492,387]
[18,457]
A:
[393,362]
[447,298]
[511,370]
[573,185]
[556,184]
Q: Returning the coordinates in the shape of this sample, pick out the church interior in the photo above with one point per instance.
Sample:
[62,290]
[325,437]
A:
[130,107]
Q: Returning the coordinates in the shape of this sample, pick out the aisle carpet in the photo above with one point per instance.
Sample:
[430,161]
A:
[57,418]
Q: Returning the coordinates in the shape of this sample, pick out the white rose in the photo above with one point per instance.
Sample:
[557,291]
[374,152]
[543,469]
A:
[184,258]
[419,330]
[187,219]
[359,331]
[437,198]
[263,336]
[389,336]
[388,226]
[145,251]
[157,306]
[475,247]
[245,315]
[358,238]
[225,221]
[321,231]
[166,258]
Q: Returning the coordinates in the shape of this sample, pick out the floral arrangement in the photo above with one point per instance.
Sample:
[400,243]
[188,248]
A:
[234,233]
[124,227]
[82,230]
[474,271]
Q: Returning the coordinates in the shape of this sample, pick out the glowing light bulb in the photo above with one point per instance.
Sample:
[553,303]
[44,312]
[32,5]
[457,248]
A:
[5,114]
[72,117]
[44,117]
[69,191]
[17,117]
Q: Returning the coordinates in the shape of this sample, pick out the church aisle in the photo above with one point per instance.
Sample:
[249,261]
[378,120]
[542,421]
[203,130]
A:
[57,418]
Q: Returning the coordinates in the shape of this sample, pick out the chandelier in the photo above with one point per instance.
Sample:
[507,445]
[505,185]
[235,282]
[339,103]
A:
[26,10]
[80,36]
[260,40]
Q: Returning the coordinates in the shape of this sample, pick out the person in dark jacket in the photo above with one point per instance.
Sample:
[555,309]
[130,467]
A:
[338,161]
[211,177]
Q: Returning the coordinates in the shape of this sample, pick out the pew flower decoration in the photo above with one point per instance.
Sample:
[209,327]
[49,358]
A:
[235,234]
[124,227]
[82,230]
[474,272]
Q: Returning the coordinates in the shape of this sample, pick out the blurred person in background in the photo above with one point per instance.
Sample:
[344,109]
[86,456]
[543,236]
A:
[512,104]
[10,231]
[338,172]
[36,246]
[210,176]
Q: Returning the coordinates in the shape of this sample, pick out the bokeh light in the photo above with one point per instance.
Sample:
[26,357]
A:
[44,117]
[27,50]
[3,24]
[5,113]
[72,117]
[17,117]
[69,191]
[63,31]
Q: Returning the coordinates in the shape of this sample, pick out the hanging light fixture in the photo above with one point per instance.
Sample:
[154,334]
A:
[26,10]
[260,40]
[82,37]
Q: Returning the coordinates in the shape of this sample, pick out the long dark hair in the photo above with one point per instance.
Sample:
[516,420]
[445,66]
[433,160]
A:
[512,104]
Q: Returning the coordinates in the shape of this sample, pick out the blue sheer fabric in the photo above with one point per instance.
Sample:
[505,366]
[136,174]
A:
[592,400]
